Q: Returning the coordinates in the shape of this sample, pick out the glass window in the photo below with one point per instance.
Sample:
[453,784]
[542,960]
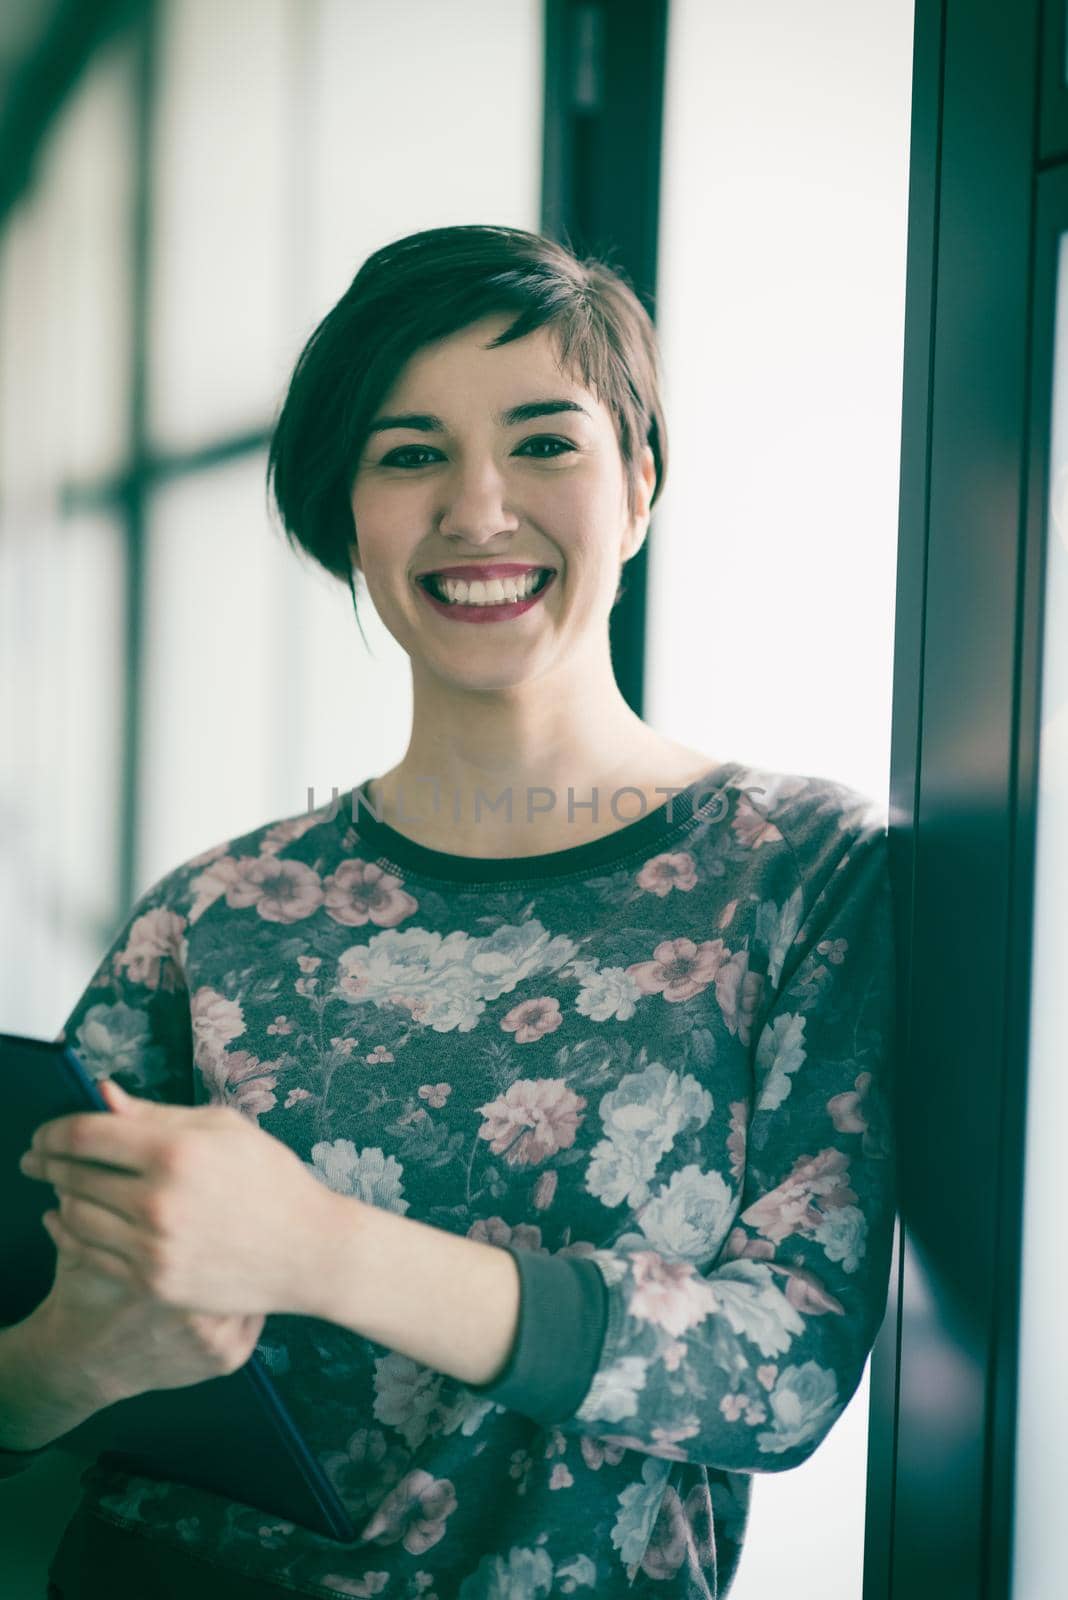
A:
[782,310]
[223,244]
[62,671]
[64,295]
[257,684]
[424,113]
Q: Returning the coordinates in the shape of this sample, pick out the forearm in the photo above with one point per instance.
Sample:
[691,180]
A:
[42,1396]
[448,1302]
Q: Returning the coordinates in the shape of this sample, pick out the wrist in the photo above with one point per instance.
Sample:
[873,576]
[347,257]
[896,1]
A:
[61,1348]
[325,1261]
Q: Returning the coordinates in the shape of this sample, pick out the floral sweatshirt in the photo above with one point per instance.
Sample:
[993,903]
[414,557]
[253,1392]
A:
[655,1067]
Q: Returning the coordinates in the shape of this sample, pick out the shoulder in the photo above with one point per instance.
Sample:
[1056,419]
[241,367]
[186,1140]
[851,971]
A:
[823,821]
[245,859]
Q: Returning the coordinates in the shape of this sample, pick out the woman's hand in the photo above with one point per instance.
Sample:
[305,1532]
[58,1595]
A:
[197,1206]
[121,1342]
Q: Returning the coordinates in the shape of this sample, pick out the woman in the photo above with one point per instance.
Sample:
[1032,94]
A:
[609,1017]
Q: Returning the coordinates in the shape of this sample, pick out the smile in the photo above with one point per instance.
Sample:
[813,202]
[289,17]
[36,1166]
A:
[491,611]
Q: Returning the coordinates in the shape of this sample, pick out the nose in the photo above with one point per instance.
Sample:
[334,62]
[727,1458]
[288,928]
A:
[474,509]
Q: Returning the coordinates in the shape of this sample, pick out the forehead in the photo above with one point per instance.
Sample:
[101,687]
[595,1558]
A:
[530,364]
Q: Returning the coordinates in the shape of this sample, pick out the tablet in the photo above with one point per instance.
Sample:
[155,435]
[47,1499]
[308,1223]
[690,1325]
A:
[231,1435]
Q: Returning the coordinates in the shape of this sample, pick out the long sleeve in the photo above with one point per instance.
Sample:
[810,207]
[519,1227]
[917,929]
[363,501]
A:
[744,1361]
[132,1023]
[563,1305]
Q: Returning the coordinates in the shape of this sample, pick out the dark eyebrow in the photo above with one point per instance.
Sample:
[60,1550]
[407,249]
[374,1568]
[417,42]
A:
[425,422]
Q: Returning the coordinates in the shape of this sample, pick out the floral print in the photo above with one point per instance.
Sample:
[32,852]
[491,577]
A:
[656,1068]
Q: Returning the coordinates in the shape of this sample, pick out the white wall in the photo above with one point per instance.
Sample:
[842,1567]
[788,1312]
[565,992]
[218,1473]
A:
[773,553]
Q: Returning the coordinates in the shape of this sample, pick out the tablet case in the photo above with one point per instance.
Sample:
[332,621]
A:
[231,1435]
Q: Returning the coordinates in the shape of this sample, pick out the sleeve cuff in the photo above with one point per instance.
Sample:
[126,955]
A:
[563,1314]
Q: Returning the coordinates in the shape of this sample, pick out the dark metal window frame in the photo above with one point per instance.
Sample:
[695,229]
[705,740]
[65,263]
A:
[985,209]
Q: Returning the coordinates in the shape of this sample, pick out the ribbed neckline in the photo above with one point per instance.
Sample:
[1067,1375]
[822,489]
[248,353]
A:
[657,826]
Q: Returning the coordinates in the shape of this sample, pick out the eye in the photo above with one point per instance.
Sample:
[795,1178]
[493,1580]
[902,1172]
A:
[392,460]
[546,438]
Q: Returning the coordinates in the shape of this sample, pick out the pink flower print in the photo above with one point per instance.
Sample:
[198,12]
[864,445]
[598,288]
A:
[555,1444]
[532,1018]
[533,1120]
[846,1110]
[280,1025]
[808,1294]
[738,994]
[679,1529]
[560,1477]
[738,1137]
[666,1550]
[281,891]
[208,886]
[726,916]
[834,950]
[827,1175]
[435,1094]
[494,1230]
[151,953]
[739,1246]
[597,1452]
[767,1375]
[545,1190]
[284,833]
[379,1054]
[361,891]
[216,1020]
[308,987]
[679,969]
[342,1045]
[699,1530]
[309,963]
[295,1096]
[788,1208]
[414,1512]
[520,1463]
[733,1406]
[675,869]
[241,1081]
[751,828]
[527,1236]
[673,1354]
[669,1294]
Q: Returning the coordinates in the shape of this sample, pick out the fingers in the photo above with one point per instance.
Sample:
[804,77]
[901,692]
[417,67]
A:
[120,1193]
[92,1235]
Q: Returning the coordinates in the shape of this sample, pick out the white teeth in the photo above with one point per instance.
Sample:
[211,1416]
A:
[494,592]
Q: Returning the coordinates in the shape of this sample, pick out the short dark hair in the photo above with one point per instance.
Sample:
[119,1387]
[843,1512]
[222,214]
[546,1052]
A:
[421,289]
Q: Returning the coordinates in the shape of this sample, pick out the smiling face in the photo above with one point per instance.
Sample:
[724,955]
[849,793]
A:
[478,486]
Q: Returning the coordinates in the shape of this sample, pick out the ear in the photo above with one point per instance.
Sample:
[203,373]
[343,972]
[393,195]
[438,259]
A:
[638,526]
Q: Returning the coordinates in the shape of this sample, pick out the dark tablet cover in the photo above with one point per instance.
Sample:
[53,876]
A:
[231,1435]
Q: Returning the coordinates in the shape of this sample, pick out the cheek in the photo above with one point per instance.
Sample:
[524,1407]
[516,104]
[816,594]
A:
[387,539]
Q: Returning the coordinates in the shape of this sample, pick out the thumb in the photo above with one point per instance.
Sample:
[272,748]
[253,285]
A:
[116,1097]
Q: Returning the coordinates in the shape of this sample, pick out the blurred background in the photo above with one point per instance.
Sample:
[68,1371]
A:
[186,188]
